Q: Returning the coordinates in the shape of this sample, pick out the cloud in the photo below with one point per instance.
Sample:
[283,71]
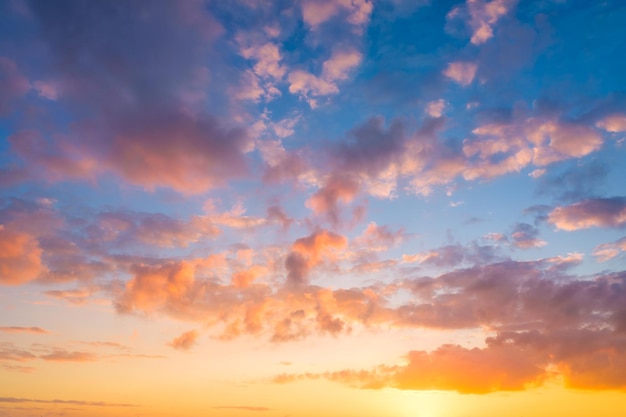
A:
[481,16]
[607,251]
[525,236]
[185,341]
[334,69]
[316,12]
[135,118]
[20,257]
[245,278]
[543,325]
[614,123]
[310,251]
[593,212]
[18,329]
[578,182]
[242,408]
[77,296]
[15,400]
[462,72]
[12,84]
[156,286]
[267,71]
[336,189]
[8,352]
[435,108]
[59,355]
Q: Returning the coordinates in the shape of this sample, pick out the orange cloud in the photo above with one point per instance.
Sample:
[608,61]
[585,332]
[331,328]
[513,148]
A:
[185,341]
[20,257]
[242,279]
[153,287]
[309,251]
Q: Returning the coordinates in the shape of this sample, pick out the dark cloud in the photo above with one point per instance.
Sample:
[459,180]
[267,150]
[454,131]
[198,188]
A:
[577,182]
[593,212]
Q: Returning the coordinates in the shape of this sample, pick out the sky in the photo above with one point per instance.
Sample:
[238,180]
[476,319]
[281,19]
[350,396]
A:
[398,208]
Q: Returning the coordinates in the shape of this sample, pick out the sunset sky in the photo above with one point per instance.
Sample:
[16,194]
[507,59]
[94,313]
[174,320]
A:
[342,208]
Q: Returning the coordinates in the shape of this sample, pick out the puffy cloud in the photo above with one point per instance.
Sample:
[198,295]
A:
[606,251]
[565,141]
[325,200]
[268,69]
[462,72]
[316,12]
[613,123]
[268,59]
[20,257]
[481,16]
[185,341]
[378,238]
[525,236]
[308,252]
[501,148]
[47,89]
[246,277]
[335,68]
[435,108]
[174,150]
[132,93]
[159,286]
[593,212]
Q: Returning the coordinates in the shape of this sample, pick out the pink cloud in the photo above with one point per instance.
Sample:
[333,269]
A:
[593,212]
[613,123]
[316,12]
[481,16]
[462,72]
[435,108]
[336,68]
[336,189]
[607,251]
